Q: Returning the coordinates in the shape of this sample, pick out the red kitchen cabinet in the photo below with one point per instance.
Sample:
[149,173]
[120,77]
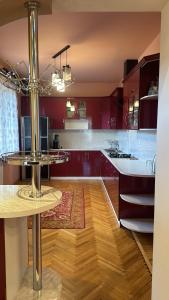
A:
[91,163]
[138,113]
[148,112]
[52,107]
[55,108]
[117,184]
[102,112]
[105,113]
[131,95]
[110,177]
[116,109]
[68,169]
[81,163]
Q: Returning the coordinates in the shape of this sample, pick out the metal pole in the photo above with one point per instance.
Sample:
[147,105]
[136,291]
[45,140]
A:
[32,7]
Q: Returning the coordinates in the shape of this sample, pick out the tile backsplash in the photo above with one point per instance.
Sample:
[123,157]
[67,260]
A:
[141,144]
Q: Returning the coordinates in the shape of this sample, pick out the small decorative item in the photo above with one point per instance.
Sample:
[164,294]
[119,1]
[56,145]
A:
[82,109]
[153,89]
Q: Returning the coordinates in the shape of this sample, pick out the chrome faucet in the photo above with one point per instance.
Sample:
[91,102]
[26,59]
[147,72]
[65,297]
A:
[114,144]
[154,164]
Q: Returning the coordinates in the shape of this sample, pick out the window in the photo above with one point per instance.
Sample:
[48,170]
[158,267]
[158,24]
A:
[9,131]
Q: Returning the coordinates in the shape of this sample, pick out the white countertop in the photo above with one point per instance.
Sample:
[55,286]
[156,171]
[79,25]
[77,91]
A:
[12,205]
[131,167]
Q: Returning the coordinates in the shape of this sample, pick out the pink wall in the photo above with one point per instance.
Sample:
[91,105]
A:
[154,47]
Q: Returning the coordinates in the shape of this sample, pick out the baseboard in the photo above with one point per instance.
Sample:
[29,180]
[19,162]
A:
[75,178]
[109,201]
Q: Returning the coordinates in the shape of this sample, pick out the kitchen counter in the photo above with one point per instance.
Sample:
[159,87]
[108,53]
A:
[125,166]
[131,167]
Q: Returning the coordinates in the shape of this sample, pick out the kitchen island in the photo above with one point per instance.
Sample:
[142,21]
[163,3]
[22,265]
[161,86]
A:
[15,206]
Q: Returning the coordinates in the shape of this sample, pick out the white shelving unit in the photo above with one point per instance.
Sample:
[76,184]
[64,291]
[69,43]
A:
[138,225]
[139,199]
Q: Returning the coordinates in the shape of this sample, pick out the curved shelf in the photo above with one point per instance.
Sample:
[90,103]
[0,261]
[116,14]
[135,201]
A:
[150,97]
[139,199]
[138,225]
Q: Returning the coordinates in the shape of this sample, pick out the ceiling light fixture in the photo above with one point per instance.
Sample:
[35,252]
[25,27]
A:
[61,78]
[72,108]
[68,103]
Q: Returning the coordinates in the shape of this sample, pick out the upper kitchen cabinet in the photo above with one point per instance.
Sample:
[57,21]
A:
[141,95]
[116,110]
[67,113]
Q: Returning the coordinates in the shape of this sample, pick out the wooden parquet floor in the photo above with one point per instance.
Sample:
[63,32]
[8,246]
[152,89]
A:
[100,262]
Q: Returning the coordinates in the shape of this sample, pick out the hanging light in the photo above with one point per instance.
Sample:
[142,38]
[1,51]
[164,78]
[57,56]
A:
[136,103]
[56,78]
[68,104]
[66,71]
[60,78]
[61,86]
[67,76]
[72,108]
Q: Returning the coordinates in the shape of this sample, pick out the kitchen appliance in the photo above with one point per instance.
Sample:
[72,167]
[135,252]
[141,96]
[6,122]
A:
[119,155]
[56,142]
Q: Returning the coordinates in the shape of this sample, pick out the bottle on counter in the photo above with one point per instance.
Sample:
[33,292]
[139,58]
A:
[56,142]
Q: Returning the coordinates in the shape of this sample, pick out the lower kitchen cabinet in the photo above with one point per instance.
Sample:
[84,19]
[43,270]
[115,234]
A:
[131,197]
[81,163]
[110,177]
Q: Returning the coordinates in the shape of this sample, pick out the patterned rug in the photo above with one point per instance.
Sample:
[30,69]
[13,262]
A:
[70,214]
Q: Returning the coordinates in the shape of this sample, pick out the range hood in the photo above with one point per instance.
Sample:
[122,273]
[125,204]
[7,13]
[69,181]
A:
[77,124]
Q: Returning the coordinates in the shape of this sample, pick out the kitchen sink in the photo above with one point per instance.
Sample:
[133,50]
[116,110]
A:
[119,154]
[111,150]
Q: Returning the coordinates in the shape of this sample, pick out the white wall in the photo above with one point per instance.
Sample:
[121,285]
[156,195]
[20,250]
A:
[160,288]
[141,144]
[154,47]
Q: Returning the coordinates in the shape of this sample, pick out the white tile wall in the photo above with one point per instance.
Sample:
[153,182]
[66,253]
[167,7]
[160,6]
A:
[141,144]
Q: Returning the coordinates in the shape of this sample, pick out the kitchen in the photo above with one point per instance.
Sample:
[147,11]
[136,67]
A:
[140,144]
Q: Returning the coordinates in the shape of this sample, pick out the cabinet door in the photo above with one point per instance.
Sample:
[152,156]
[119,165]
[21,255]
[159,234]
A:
[148,114]
[71,168]
[110,178]
[55,109]
[86,165]
[131,91]
[116,109]
[105,113]
[62,170]
[94,160]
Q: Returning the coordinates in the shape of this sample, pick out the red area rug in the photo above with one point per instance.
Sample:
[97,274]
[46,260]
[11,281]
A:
[69,214]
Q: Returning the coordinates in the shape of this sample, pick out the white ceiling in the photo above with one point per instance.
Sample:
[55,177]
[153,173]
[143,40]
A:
[100,41]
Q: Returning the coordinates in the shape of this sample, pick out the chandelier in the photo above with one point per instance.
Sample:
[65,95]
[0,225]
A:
[16,76]
[62,77]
